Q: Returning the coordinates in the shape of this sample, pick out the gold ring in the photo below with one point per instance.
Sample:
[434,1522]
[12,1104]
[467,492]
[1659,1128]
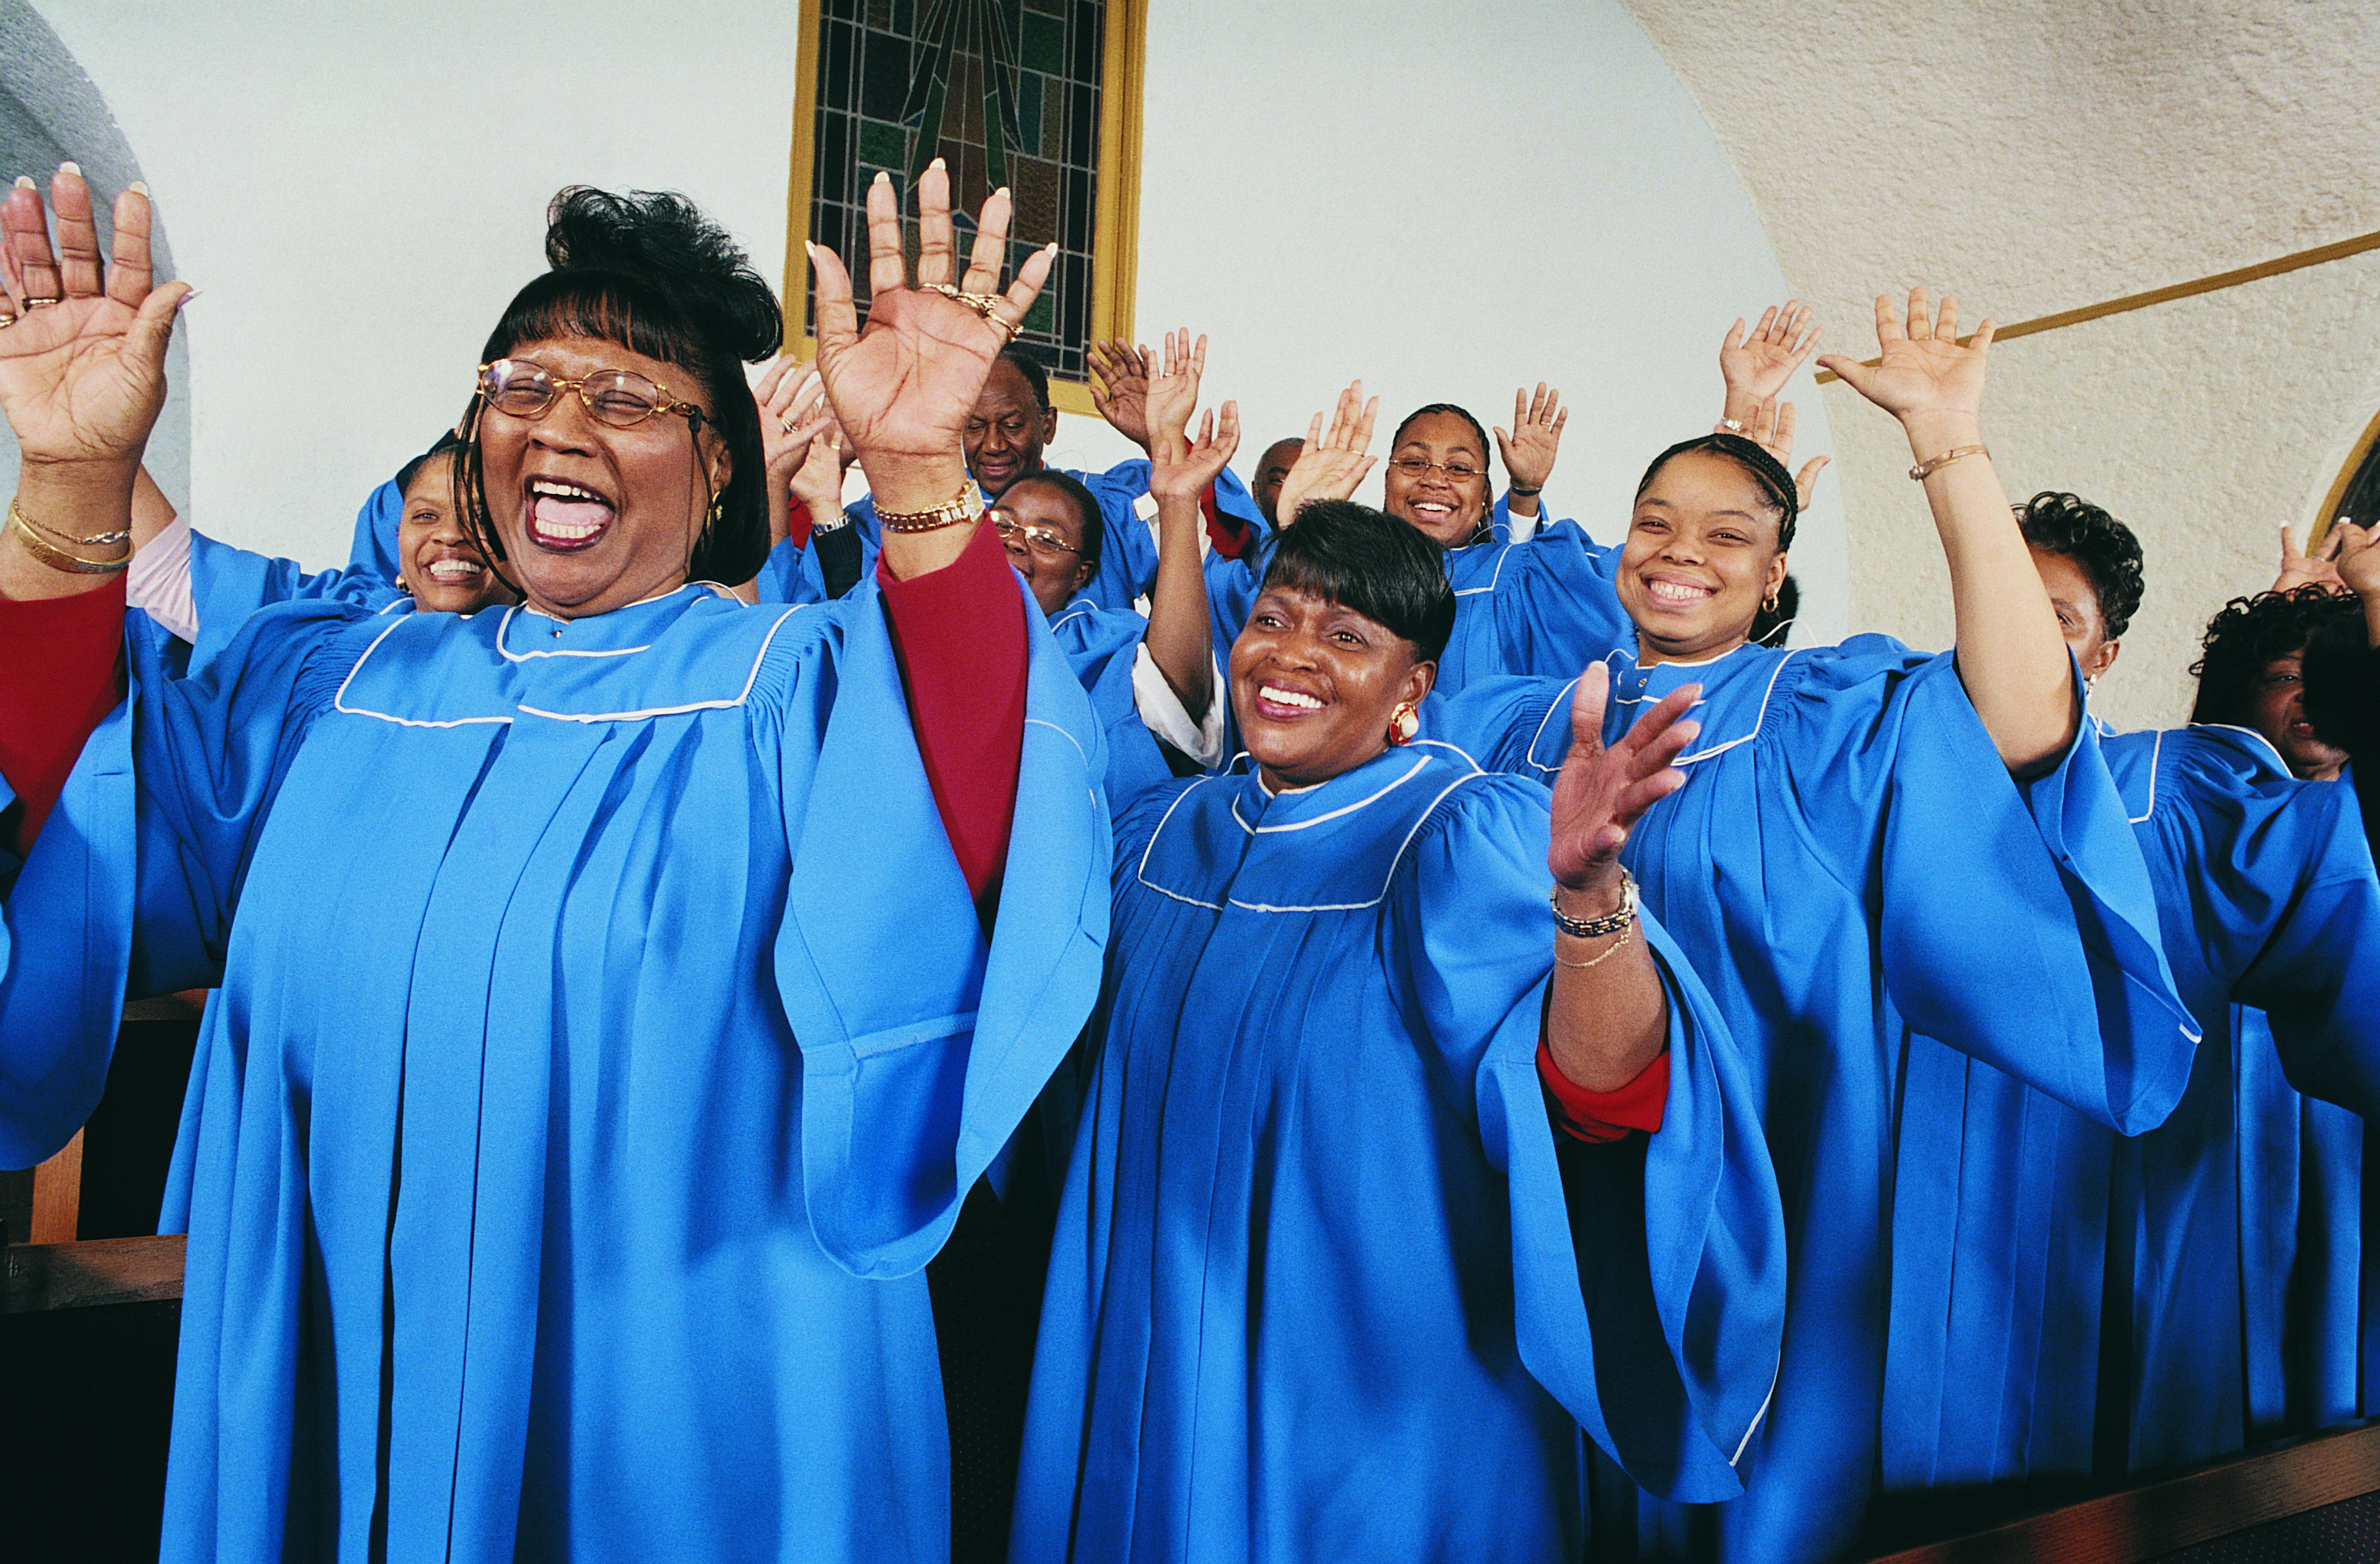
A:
[945,289]
[785,424]
[32,304]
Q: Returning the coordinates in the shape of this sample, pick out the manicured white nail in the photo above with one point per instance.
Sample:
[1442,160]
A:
[24,181]
[936,163]
[882,178]
[1002,191]
[139,187]
[73,168]
[184,302]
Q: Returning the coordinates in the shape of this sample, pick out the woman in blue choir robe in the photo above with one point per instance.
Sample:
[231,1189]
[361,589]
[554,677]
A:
[575,1117]
[2226,1244]
[1327,1282]
[1852,856]
[1539,606]
[202,590]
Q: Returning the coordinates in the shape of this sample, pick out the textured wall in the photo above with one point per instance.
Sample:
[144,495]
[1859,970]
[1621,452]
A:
[2045,156]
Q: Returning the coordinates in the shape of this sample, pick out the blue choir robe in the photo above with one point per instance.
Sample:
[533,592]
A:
[1316,1290]
[374,549]
[606,1038]
[1102,646]
[2204,1277]
[227,584]
[1543,608]
[1850,860]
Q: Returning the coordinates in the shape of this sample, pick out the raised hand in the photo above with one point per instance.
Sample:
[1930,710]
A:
[903,388]
[1534,438]
[797,437]
[1120,377]
[2316,566]
[1926,373]
[1183,468]
[1172,389]
[1600,794]
[1770,427]
[1756,364]
[1332,465]
[82,348]
[2356,560]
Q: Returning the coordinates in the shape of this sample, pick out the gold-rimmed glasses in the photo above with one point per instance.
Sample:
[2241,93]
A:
[1045,540]
[1419,467]
[523,388]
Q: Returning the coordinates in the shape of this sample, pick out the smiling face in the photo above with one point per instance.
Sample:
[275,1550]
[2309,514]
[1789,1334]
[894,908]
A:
[2276,710]
[1447,509]
[438,562]
[1006,432]
[1313,685]
[2079,618]
[592,517]
[1701,556]
[1051,577]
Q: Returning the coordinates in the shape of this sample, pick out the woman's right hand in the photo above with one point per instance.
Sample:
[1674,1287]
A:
[1770,427]
[81,378]
[1756,364]
[1332,465]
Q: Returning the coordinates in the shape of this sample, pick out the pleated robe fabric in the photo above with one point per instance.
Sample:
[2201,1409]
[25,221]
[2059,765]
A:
[2127,1304]
[1545,607]
[227,584]
[1316,1290]
[1850,860]
[606,1038]
[1102,646]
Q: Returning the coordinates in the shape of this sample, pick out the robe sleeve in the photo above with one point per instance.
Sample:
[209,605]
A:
[227,584]
[1514,724]
[133,881]
[1106,651]
[61,654]
[373,551]
[1648,1287]
[2015,923]
[926,1031]
[1556,602]
[959,633]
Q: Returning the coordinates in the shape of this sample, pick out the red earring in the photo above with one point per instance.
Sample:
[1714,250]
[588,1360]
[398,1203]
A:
[1404,725]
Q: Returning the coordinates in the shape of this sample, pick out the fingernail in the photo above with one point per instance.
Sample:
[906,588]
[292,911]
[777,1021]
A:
[184,302]
[938,163]
[73,168]
[884,178]
[1050,248]
[139,187]
[24,181]
[1002,191]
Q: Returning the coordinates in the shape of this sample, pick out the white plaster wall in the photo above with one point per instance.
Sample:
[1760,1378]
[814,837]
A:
[2203,424]
[2045,155]
[1447,200]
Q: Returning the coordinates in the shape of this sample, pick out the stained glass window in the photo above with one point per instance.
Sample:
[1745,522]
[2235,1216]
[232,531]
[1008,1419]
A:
[1013,93]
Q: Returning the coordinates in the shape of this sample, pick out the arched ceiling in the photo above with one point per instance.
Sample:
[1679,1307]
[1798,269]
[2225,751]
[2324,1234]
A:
[2038,155]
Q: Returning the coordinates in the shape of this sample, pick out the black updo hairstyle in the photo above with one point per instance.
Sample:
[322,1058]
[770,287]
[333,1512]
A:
[1090,524]
[2104,547]
[1486,451]
[2249,635]
[649,271]
[1776,484]
[1384,569]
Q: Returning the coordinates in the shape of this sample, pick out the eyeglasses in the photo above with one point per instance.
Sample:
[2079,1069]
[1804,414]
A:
[1415,467]
[1040,539]
[521,388]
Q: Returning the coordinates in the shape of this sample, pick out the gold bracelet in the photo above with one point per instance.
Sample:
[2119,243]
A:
[1627,936]
[54,535]
[1926,469]
[58,559]
[966,507]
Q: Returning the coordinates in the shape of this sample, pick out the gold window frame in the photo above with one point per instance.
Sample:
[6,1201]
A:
[1115,258]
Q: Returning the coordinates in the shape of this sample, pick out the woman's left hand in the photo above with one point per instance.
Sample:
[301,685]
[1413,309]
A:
[1172,389]
[1120,377]
[1756,364]
[1926,376]
[1600,794]
[1535,439]
[2316,566]
[1185,469]
[903,388]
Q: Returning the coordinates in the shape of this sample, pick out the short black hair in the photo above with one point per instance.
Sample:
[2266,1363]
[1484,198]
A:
[1384,569]
[1090,524]
[649,271]
[1029,364]
[1486,449]
[2249,635]
[1776,484]
[2067,524]
[447,442]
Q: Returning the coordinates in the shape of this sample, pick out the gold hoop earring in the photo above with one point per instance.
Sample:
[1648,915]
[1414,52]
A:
[1404,725]
[1769,604]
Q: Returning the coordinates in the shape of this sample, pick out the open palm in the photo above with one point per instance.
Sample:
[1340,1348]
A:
[1922,367]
